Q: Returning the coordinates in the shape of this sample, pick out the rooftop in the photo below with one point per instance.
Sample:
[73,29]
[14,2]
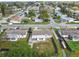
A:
[16,31]
[70,32]
[41,32]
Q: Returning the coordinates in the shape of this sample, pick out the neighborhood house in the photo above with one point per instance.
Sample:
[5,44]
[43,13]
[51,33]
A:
[17,18]
[66,19]
[72,34]
[38,20]
[15,34]
[39,35]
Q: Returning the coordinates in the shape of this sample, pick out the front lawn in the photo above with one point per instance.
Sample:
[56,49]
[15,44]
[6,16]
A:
[29,21]
[57,21]
[72,23]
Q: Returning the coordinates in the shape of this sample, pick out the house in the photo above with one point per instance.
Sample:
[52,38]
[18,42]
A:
[38,20]
[39,35]
[72,34]
[58,9]
[17,18]
[15,34]
[64,18]
[58,13]
[74,11]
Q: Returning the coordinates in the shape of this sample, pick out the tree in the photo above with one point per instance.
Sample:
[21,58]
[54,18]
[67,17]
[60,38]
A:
[2,34]
[29,33]
[3,6]
[58,17]
[44,15]
[31,13]
[70,37]
[25,14]
[24,21]
[54,15]
[30,30]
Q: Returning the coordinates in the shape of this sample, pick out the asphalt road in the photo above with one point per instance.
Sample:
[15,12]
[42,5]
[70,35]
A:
[25,26]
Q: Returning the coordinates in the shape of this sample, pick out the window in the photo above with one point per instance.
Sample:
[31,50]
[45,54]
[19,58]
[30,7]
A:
[34,39]
[41,38]
[12,38]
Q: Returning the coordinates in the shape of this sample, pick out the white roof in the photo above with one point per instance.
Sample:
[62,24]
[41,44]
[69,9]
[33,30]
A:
[67,18]
[58,8]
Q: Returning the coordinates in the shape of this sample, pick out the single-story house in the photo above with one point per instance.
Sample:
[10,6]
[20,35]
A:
[39,35]
[17,18]
[58,13]
[15,34]
[72,34]
[38,20]
[64,18]
[76,13]
[57,9]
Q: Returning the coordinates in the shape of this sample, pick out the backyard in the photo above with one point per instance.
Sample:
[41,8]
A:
[16,49]
[75,47]
[21,48]
[44,48]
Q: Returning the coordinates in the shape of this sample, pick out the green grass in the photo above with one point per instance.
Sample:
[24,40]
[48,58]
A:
[72,23]
[45,48]
[75,47]
[57,44]
[10,44]
[19,48]
[32,22]
[57,21]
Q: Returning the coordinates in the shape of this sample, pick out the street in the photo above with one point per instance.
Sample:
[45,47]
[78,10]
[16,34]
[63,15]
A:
[26,26]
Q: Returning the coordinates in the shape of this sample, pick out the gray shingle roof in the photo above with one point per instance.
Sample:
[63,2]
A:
[70,31]
[16,31]
[42,32]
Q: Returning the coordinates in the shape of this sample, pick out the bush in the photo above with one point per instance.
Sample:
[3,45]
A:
[24,21]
